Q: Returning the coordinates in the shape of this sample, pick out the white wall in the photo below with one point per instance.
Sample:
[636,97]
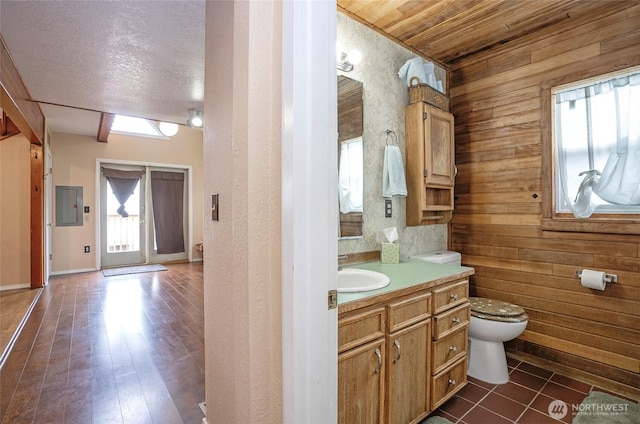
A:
[74,159]
[385,97]
[15,219]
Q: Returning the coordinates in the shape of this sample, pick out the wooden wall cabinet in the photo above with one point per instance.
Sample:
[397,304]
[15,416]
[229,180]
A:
[431,171]
[400,359]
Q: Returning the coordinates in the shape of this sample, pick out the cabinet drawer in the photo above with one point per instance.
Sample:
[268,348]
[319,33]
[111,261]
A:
[360,327]
[450,295]
[448,382]
[451,320]
[449,349]
[409,310]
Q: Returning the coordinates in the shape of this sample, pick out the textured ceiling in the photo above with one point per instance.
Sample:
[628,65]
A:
[138,58]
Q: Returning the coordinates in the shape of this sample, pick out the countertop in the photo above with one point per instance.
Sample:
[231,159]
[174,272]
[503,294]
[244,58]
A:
[405,276]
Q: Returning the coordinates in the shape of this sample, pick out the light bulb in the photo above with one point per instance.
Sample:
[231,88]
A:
[196,121]
[354,57]
[168,129]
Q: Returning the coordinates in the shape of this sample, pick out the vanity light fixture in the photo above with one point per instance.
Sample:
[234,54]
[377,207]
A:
[195,119]
[348,60]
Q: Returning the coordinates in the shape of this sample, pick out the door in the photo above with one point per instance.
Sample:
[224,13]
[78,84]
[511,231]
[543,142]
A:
[122,215]
[143,214]
[168,223]
[439,147]
[48,195]
[361,384]
[408,373]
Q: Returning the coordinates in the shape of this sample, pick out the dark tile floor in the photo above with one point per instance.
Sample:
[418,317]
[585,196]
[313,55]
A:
[525,399]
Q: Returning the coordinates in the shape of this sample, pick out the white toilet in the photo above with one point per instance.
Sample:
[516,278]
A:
[493,322]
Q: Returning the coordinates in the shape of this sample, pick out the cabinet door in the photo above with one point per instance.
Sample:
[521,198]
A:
[361,384]
[439,147]
[408,373]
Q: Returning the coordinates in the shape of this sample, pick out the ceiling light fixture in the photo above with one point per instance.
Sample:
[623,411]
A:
[346,61]
[195,119]
[168,129]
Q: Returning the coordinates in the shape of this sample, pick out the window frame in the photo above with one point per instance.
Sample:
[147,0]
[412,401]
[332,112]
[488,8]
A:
[608,223]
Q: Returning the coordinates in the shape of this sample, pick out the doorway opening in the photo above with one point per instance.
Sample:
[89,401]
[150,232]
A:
[144,214]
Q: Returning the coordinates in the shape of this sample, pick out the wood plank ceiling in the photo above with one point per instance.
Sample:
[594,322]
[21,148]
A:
[449,30]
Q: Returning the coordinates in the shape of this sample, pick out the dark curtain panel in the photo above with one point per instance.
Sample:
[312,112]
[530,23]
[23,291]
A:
[167,191]
[123,184]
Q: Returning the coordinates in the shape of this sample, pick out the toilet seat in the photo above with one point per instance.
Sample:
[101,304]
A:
[496,310]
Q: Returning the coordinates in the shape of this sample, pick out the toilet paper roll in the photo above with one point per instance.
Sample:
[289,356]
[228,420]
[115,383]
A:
[593,279]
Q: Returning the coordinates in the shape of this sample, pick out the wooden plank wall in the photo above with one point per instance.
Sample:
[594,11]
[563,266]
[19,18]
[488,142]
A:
[496,99]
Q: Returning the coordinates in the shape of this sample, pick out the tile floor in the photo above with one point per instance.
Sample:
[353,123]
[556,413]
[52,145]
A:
[524,400]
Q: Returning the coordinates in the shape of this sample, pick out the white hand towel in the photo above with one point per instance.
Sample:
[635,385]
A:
[393,181]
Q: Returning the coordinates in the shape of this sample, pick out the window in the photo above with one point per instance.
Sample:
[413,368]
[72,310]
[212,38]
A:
[597,146]
[143,127]
[350,175]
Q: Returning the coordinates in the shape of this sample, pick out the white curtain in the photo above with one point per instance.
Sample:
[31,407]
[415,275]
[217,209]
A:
[598,140]
[350,176]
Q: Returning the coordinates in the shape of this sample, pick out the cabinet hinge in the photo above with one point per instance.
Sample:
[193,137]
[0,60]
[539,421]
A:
[426,173]
[424,116]
[333,299]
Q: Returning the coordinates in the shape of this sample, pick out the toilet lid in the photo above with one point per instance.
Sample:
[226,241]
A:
[484,307]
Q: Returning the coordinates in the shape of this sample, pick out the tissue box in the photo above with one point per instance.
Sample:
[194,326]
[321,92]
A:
[390,253]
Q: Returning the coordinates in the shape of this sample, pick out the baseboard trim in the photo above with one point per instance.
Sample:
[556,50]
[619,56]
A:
[15,287]
[73,271]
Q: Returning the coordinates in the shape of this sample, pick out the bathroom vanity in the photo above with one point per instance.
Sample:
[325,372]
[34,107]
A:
[402,349]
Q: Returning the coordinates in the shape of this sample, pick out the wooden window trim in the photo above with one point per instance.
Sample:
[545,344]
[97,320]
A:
[552,221]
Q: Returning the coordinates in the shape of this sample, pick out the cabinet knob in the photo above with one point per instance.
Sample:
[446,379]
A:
[454,296]
[452,382]
[379,367]
[456,320]
[453,349]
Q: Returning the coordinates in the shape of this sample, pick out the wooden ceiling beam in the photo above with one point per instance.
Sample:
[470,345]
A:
[106,120]
[16,101]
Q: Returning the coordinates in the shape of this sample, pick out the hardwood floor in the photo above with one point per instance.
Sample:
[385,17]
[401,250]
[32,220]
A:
[125,349]
[14,305]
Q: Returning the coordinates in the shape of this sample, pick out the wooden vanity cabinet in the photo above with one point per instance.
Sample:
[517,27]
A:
[430,155]
[401,358]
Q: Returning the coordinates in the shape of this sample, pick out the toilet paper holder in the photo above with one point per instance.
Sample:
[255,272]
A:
[608,278]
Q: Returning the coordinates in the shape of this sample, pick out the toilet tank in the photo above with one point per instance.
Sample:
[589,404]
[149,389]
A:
[440,257]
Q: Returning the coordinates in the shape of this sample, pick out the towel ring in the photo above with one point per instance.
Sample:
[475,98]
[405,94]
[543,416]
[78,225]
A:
[386,140]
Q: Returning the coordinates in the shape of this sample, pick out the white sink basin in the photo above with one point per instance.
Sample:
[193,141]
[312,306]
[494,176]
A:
[358,280]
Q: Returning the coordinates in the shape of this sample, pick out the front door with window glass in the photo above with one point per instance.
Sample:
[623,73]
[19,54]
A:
[122,225]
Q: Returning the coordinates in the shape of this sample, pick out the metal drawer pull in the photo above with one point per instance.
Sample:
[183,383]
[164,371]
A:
[452,382]
[456,320]
[379,367]
[454,296]
[397,358]
[453,349]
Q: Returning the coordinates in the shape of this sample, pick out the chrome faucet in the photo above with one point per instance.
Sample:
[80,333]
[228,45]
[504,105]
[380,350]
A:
[343,257]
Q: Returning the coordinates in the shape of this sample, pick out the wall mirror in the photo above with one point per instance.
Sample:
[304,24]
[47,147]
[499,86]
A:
[350,158]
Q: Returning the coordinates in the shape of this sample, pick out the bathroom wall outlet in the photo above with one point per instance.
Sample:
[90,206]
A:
[387,208]
[87,249]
